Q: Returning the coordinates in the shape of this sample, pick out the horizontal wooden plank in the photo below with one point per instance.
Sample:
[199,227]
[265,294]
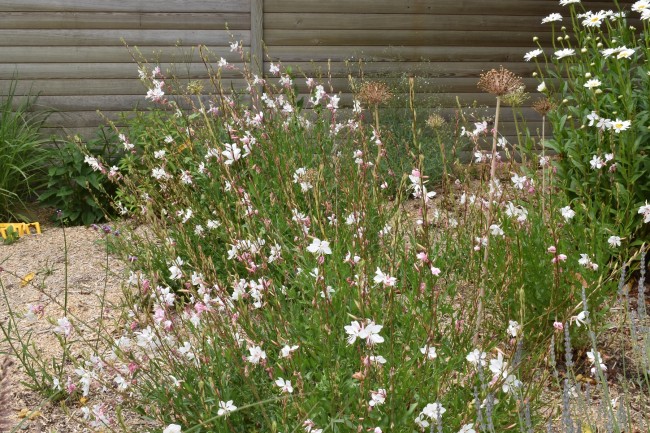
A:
[77,54]
[115,37]
[475,38]
[70,104]
[374,70]
[438,7]
[373,21]
[397,69]
[397,53]
[126,6]
[35,71]
[77,87]
[125,20]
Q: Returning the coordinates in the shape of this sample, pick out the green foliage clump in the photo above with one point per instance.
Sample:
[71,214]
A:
[22,152]
[82,193]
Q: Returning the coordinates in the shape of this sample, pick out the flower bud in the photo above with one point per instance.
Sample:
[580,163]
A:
[566,38]
[599,45]
[535,39]
[563,28]
[583,50]
[598,91]
[559,38]
[564,101]
[535,74]
[588,75]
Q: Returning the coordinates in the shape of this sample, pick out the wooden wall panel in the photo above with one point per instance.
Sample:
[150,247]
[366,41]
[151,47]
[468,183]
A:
[73,53]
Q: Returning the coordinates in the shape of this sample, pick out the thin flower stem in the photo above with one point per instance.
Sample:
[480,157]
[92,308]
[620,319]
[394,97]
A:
[486,252]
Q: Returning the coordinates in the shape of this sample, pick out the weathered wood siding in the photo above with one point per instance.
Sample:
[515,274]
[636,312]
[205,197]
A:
[72,51]
[447,42]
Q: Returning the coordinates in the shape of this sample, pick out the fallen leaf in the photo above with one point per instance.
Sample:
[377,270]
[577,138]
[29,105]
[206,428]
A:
[26,413]
[26,279]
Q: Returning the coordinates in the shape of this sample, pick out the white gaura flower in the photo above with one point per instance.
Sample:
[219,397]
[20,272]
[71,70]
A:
[319,247]
[286,351]
[518,181]
[377,398]
[467,428]
[476,356]
[552,18]
[225,407]
[514,328]
[645,211]
[596,358]
[371,333]
[64,327]
[284,385]
[232,153]
[596,162]
[496,230]
[385,279]
[172,428]
[421,422]
[353,330]
[592,84]
[256,355]
[592,117]
[567,213]
[614,241]
[429,352]
[567,52]
[581,318]
[433,411]
[530,55]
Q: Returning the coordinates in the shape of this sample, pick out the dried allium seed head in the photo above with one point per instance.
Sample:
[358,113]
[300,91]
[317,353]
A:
[194,87]
[499,82]
[375,93]
[435,121]
[543,106]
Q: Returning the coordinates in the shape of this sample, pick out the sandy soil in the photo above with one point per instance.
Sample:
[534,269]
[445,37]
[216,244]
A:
[92,276]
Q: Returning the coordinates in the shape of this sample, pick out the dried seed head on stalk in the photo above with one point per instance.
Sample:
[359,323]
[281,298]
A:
[543,106]
[516,98]
[374,93]
[500,82]
[5,407]
[435,121]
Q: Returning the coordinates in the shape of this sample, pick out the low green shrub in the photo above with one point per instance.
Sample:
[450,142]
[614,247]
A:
[78,185]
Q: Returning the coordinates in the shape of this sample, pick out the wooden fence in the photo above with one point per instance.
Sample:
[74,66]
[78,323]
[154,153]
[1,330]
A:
[73,52]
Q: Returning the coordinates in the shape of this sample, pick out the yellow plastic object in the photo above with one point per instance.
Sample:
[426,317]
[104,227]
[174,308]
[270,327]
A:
[21,229]
[27,228]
